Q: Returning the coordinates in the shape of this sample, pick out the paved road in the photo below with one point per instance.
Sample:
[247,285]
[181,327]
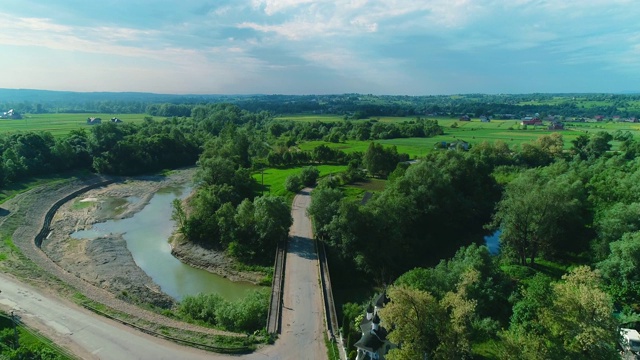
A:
[303,327]
[93,337]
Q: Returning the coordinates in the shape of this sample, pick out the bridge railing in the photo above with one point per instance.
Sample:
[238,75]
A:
[274,316]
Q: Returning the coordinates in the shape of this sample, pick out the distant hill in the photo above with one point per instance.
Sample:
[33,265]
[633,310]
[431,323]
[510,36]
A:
[48,96]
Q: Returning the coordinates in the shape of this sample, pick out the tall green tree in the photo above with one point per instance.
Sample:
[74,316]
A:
[533,213]
[620,269]
[574,322]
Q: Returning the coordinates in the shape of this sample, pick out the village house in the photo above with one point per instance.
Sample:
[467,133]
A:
[11,114]
[556,125]
[94,121]
[530,120]
[374,345]
[484,118]
[464,118]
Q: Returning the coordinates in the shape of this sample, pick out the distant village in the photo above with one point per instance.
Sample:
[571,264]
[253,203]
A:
[554,122]
[97,120]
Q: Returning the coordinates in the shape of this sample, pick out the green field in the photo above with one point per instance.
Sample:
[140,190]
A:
[474,132]
[274,178]
[60,124]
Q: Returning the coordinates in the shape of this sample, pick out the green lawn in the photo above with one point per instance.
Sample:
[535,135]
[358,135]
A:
[274,178]
[61,124]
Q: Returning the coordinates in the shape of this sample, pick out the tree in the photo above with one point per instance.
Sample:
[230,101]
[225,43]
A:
[620,269]
[612,223]
[426,327]
[293,183]
[592,146]
[418,320]
[581,316]
[179,216]
[309,175]
[574,321]
[380,161]
[325,204]
[533,214]
[552,144]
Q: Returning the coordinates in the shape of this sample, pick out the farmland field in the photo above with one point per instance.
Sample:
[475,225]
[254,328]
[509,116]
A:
[474,132]
[60,124]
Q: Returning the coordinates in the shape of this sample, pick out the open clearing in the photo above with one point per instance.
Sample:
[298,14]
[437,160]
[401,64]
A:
[61,124]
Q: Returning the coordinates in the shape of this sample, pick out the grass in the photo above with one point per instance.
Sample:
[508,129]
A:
[8,191]
[219,343]
[475,132]
[274,178]
[356,191]
[61,124]
[333,353]
[30,338]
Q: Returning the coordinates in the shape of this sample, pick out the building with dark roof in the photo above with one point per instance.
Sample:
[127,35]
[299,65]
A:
[374,345]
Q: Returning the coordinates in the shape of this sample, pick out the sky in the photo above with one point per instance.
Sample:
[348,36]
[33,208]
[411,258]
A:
[392,47]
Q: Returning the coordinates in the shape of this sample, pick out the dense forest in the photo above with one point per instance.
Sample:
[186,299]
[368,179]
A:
[354,106]
[566,274]
[575,208]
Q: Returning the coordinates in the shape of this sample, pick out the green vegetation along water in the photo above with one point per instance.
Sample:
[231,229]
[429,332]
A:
[146,234]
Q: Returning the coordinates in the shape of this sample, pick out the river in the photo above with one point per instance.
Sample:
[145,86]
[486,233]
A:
[147,234]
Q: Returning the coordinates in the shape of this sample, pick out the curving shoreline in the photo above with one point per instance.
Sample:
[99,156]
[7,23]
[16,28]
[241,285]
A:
[106,261]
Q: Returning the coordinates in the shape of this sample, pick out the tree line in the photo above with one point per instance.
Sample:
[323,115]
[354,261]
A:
[351,106]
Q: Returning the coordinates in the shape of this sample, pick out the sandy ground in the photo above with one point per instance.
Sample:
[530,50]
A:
[106,262]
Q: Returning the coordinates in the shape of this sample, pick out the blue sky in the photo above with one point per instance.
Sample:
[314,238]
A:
[410,47]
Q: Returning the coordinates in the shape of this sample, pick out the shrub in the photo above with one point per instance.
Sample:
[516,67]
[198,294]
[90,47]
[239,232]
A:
[293,183]
[309,175]
[246,315]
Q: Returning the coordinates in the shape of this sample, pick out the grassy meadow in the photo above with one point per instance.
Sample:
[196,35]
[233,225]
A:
[473,132]
[274,178]
[60,124]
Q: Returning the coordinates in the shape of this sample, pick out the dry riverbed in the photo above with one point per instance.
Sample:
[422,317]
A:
[105,261]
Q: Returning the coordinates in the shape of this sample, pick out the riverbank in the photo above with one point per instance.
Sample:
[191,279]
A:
[105,261]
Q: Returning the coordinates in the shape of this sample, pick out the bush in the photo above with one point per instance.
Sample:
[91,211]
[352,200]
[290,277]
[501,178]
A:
[293,183]
[246,315]
[309,175]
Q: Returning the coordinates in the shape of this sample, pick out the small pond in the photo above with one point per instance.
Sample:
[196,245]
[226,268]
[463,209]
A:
[147,234]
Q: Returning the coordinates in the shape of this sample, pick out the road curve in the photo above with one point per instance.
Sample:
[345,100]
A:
[93,337]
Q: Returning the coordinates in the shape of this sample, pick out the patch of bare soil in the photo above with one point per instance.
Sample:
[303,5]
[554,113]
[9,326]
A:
[213,261]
